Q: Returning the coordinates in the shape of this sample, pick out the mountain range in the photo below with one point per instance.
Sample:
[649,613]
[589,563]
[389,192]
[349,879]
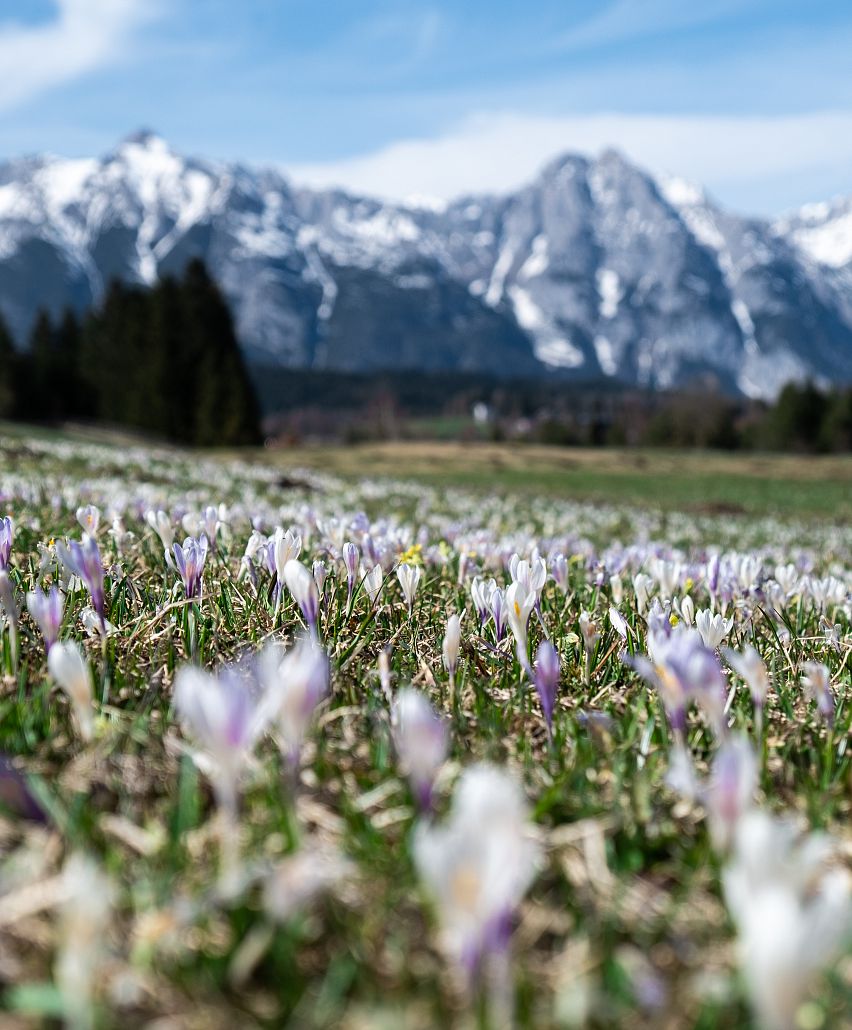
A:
[595,270]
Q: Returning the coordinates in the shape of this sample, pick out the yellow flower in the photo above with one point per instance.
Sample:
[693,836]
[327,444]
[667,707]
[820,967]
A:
[413,556]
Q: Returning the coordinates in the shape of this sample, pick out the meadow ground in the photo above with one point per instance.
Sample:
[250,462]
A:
[721,482]
[304,844]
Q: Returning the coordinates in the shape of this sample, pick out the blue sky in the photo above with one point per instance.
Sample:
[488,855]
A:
[751,97]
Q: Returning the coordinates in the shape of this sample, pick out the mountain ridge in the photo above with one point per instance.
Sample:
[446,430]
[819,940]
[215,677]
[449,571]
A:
[594,269]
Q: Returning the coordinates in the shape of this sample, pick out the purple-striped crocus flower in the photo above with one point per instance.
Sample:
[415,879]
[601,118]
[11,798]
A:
[682,669]
[190,561]
[351,559]
[83,559]
[46,610]
[226,713]
[477,868]
[497,603]
[546,676]
[7,531]
[303,587]
[420,738]
[293,685]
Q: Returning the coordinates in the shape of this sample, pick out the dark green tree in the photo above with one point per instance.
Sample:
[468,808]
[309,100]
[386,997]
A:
[9,373]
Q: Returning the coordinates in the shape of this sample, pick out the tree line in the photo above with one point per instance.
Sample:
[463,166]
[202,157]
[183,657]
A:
[163,360]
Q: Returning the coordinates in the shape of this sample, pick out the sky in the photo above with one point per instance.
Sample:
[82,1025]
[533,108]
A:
[402,98]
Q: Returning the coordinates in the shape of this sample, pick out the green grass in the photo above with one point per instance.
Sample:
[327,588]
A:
[682,480]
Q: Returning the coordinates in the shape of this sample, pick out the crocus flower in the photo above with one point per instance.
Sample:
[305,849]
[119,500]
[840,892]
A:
[499,612]
[793,915]
[420,738]
[618,622]
[546,676]
[559,571]
[642,586]
[729,791]
[409,580]
[303,587]
[531,575]
[451,643]
[226,714]
[591,635]
[255,544]
[283,547]
[7,531]
[685,607]
[682,669]
[294,684]
[211,525]
[46,611]
[89,519]
[712,627]
[373,583]
[160,522]
[83,559]
[749,665]
[480,592]
[616,587]
[320,574]
[350,562]
[787,577]
[190,560]
[519,606]
[478,866]
[71,671]
[817,684]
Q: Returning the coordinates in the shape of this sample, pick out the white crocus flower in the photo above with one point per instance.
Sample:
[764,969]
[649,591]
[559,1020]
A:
[749,665]
[373,582]
[451,644]
[685,607]
[294,684]
[478,866]
[89,519]
[787,577]
[712,627]
[792,915]
[642,586]
[519,605]
[71,671]
[420,738]
[160,522]
[729,792]
[409,580]
[817,684]
[302,585]
[618,622]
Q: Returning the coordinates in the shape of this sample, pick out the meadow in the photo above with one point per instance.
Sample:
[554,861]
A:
[413,736]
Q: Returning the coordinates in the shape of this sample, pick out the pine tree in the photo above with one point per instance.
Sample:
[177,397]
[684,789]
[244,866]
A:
[9,373]
[66,356]
[47,386]
[226,411]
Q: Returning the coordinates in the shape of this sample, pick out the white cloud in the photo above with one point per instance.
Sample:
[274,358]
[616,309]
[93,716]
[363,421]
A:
[84,35]
[630,19]
[501,151]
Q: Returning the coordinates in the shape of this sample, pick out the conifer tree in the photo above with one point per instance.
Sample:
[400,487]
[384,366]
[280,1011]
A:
[9,373]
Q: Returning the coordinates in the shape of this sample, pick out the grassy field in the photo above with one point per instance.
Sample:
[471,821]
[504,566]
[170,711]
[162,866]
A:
[195,834]
[692,481]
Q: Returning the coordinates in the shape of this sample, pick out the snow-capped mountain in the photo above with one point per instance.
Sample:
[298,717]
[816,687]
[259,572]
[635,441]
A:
[595,269]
